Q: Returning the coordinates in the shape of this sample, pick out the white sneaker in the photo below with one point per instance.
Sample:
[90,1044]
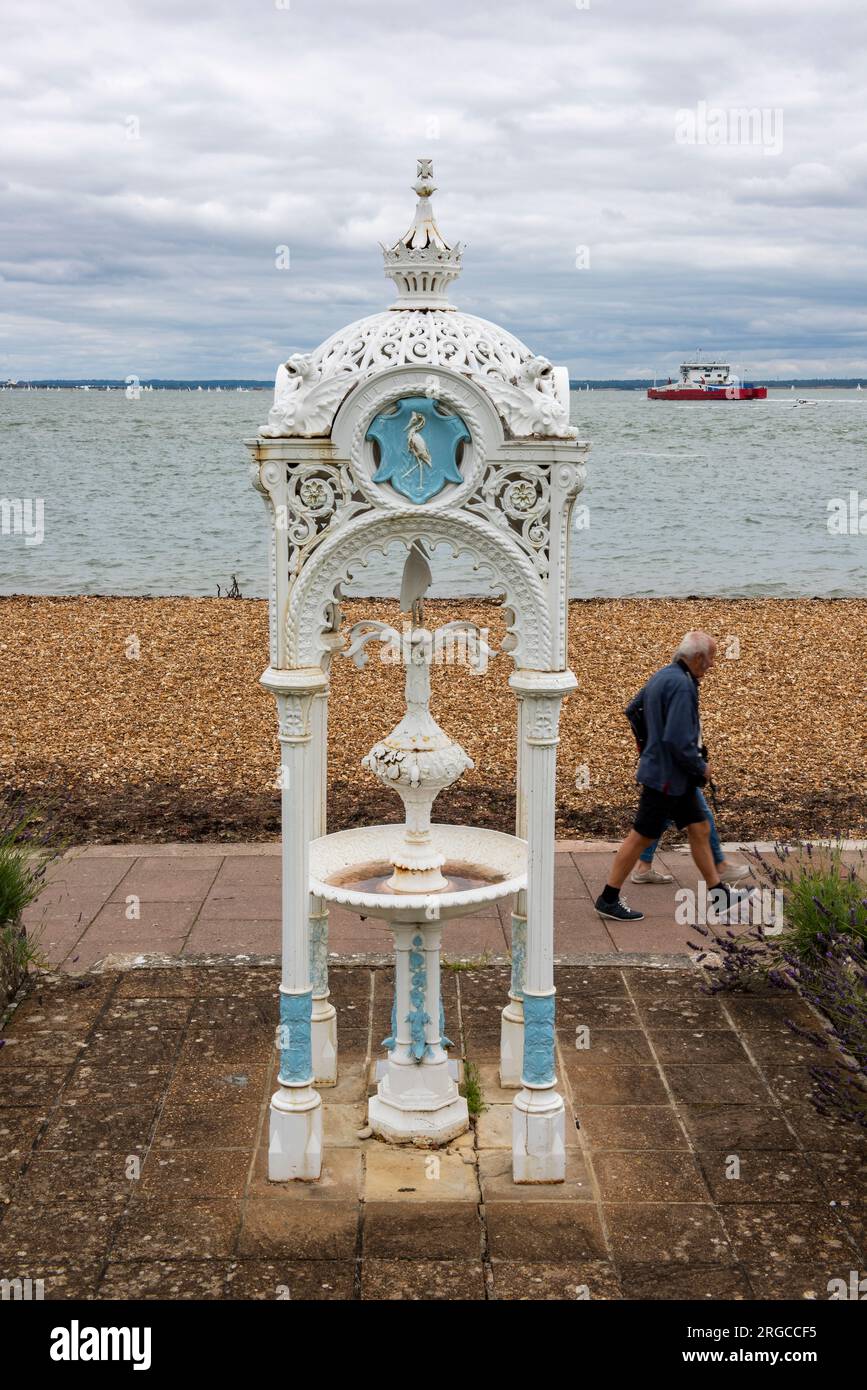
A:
[731,872]
[645,873]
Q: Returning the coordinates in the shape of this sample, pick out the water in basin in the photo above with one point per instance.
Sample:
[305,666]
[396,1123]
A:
[372,878]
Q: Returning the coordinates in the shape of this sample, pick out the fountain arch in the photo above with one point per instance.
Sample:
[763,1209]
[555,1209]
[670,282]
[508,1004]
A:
[308,620]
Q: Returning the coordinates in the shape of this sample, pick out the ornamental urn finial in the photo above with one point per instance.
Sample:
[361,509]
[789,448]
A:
[421,263]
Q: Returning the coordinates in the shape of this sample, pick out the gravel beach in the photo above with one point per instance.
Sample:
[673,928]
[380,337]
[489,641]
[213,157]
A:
[128,718]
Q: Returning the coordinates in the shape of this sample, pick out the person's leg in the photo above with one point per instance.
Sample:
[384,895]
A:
[647,827]
[646,855]
[644,872]
[699,845]
[716,848]
[728,870]
[627,857]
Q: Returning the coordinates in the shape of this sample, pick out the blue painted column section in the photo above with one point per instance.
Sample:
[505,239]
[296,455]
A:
[389,1042]
[539,1040]
[519,954]
[418,1019]
[296,1056]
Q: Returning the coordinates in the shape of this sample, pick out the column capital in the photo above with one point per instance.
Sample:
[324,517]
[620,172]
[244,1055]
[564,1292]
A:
[296,680]
[543,691]
[295,690]
[537,685]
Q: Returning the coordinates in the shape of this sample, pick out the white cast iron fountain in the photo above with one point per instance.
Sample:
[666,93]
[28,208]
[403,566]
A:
[417,877]
[427,426]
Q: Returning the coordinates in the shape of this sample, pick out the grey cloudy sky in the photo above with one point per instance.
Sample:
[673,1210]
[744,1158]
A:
[556,139]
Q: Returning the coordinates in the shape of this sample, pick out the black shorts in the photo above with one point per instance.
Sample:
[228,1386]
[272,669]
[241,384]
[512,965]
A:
[655,810]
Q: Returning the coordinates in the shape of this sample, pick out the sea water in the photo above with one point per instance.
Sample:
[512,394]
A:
[152,496]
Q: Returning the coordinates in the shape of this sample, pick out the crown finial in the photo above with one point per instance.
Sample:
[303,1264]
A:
[422,263]
[424,184]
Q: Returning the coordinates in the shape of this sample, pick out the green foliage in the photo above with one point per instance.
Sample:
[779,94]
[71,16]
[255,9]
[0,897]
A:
[18,954]
[471,1090]
[22,877]
[477,963]
[819,892]
[20,881]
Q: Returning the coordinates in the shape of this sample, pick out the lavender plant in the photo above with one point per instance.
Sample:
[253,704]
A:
[743,961]
[821,955]
[23,865]
[818,888]
[833,978]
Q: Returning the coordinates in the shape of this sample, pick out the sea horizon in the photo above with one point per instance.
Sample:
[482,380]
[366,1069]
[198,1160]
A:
[262,384]
[149,495]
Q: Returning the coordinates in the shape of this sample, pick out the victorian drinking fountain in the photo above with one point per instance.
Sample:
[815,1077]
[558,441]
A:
[435,429]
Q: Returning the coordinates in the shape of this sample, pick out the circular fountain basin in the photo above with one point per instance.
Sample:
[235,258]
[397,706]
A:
[351,867]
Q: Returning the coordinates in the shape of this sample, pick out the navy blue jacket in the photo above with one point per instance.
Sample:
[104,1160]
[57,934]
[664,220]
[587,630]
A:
[664,719]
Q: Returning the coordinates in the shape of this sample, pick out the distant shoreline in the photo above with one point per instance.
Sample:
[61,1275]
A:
[243,384]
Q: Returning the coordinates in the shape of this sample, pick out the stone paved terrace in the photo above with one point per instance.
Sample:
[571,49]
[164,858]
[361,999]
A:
[173,1067]
[206,899]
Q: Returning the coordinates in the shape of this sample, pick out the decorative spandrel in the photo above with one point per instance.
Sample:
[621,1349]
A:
[418,447]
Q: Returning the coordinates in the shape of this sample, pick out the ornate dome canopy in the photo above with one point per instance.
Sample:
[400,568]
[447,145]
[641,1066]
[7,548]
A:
[434,337]
[422,329]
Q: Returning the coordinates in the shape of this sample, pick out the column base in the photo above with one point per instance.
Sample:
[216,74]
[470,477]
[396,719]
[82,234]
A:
[538,1137]
[295,1135]
[323,1040]
[418,1103]
[426,1129]
[512,1045]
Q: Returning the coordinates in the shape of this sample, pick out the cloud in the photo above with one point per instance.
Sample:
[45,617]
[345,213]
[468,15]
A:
[155,157]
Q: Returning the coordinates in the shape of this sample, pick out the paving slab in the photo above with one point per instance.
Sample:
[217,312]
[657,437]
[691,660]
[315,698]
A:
[130,1281]
[133,1148]
[422,1280]
[407,1175]
[301,1281]
[440,1230]
[582,1280]
[219,898]
[273,1227]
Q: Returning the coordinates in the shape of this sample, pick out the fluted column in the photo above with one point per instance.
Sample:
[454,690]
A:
[538,1113]
[512,1023]
[295,1134]
[324,1018]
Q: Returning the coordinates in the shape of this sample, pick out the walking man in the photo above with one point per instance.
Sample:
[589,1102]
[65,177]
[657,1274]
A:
[672,766]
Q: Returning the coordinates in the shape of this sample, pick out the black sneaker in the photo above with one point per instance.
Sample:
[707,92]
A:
[618,911]
[733,909]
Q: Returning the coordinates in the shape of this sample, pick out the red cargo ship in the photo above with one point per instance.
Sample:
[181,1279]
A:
[707,381]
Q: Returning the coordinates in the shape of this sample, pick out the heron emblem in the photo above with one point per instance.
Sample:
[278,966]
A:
[418,443]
